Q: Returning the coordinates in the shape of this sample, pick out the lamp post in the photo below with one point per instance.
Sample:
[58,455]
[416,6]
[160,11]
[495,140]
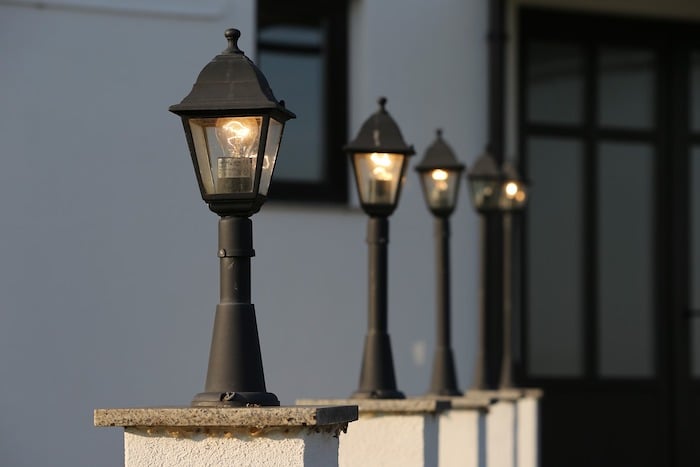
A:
[513,197]
[233,125]
[379,158]
[440,173]
[485,184]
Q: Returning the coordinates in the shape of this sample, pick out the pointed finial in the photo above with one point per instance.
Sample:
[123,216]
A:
[232,36]
[382,103]
[439,132]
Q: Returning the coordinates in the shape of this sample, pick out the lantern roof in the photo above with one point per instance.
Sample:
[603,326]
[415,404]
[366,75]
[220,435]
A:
[230,83]
[485,168]
[439,155]
[380,133]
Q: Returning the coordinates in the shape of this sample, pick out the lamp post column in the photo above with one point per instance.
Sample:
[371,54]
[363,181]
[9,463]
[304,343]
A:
[235,376]
[377,377]
[444,379]
[506,380]
[479,381]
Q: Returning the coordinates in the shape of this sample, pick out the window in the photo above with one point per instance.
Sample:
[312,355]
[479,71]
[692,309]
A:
[302,51]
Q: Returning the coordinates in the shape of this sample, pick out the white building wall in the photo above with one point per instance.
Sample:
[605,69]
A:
[108,270]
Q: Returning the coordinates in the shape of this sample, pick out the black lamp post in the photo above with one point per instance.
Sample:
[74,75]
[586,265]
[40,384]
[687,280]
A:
[440,173]
[513,197]
[233,125]
[485,185]
[379,158]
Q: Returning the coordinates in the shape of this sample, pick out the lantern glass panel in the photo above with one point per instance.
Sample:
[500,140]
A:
[513,195]
[227,150]
[486,193]
[440,188]
[272,145]
[378,176]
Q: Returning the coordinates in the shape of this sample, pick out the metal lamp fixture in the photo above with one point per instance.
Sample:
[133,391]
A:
[379,158]
[233,124]
[513,188]
[485,187]
[513,198]
[485,183]
[440,174]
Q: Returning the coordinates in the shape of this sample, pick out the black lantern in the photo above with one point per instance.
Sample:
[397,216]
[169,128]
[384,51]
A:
[233,125]
[440,173]
[513,199]
[513,188]
[485,183]
[379,158]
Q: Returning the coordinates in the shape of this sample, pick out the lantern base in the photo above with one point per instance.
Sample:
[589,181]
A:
[235,399]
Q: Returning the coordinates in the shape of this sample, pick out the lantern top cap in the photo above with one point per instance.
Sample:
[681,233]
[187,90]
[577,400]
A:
[380,133]
[231,84]
[232,35]
[485,168]
[439,155]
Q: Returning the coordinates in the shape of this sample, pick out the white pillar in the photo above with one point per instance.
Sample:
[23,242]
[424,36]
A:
[462,433]
[501,426]
[189,436]
[401,432]
[528,431]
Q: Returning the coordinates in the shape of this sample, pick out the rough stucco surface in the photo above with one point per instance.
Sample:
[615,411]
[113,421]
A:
[226,416]
[218,449]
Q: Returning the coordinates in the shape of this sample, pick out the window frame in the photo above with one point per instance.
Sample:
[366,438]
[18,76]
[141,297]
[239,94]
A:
[332,18]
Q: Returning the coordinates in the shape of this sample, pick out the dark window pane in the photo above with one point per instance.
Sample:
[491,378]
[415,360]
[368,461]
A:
[298,79]
[694,280]
[695,91]
[625,260]
[626,84]
[555,83]
[554,273]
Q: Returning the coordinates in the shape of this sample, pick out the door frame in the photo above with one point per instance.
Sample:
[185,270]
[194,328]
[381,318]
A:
[671,204]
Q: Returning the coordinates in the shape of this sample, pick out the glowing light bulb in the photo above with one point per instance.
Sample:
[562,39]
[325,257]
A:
[380,185]
[440,178]
[511,190]
[438,196]
[239,139]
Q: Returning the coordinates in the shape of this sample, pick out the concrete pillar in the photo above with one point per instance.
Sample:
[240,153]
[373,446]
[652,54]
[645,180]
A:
[528,431]
[462,433]
[501,426]
[208,436]
[512,427]
[390,432]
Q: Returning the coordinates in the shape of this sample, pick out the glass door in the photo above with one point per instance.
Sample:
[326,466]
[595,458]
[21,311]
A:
[610,137]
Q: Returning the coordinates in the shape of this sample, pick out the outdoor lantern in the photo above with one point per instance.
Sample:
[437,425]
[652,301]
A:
[485,183]
[233,125]
[379,159]
[513,189]
[379,156]
[440,173]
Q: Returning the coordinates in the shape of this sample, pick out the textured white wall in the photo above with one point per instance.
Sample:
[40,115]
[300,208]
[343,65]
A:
[406,440]
[109,275]
[461,438]
[501,434]
[275,449]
